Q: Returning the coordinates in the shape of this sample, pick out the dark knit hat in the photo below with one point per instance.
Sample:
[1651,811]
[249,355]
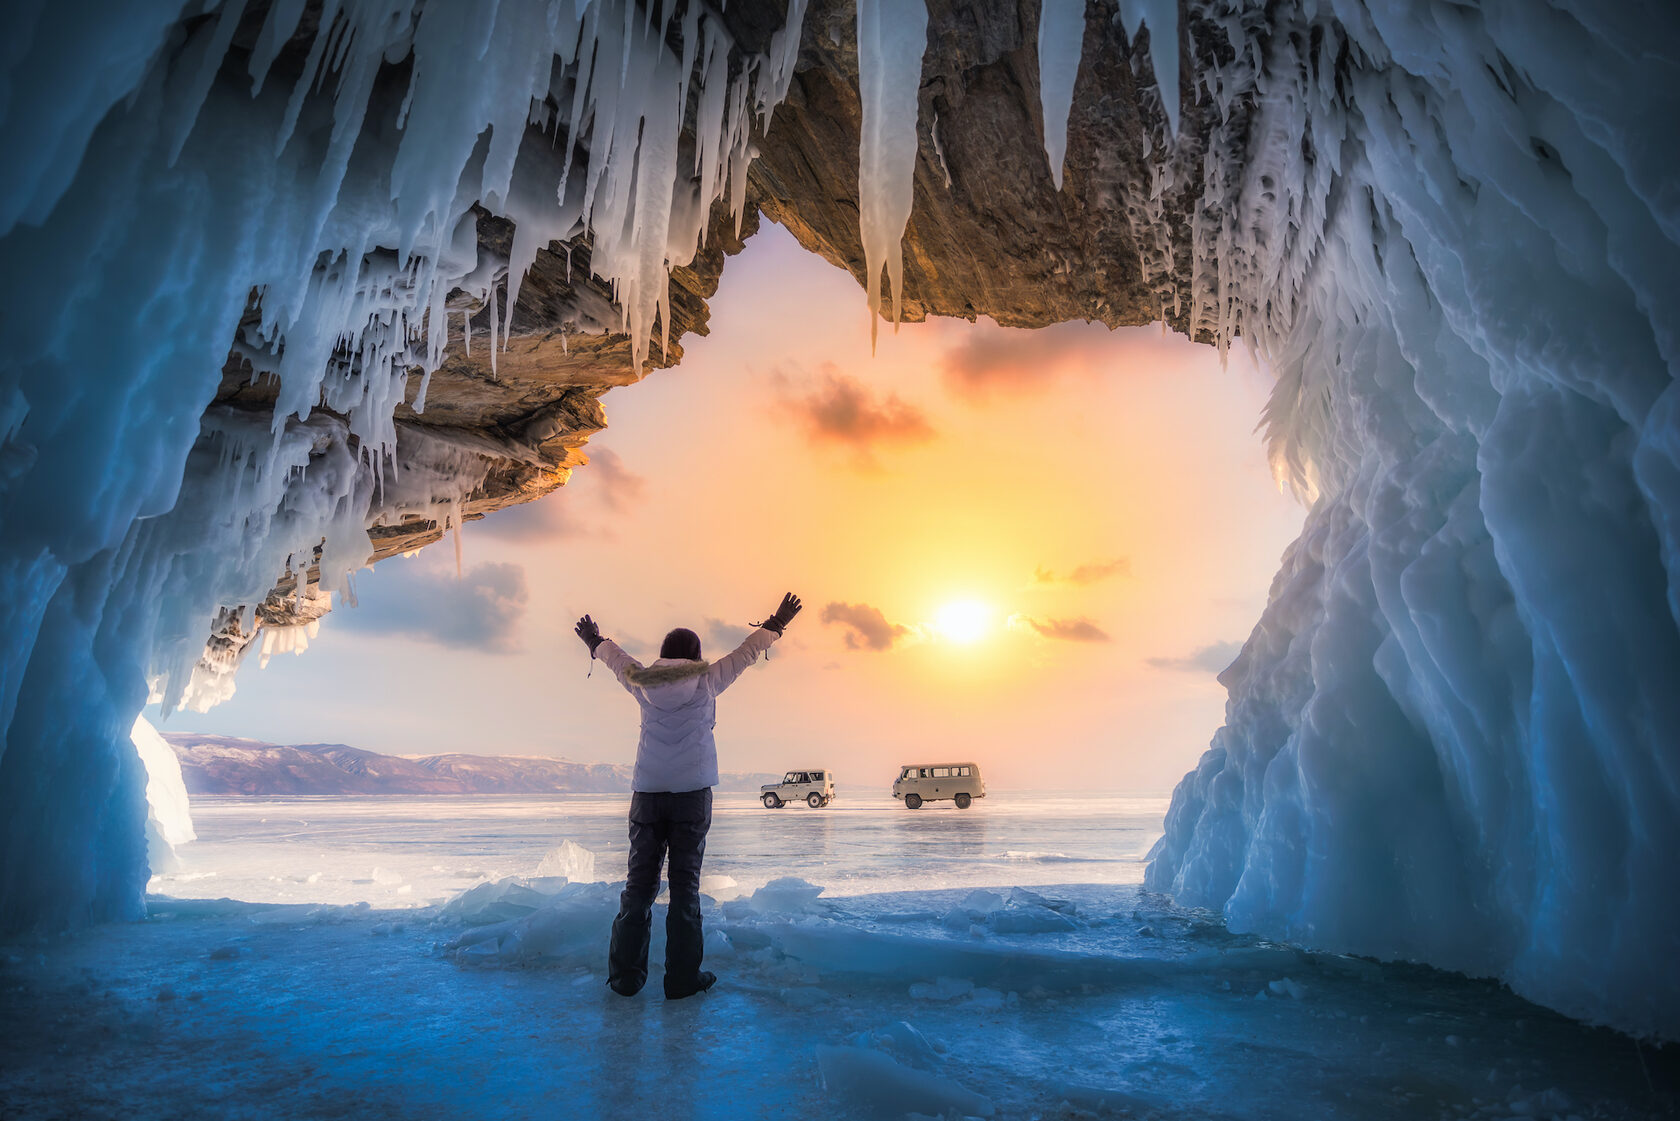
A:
[681,643]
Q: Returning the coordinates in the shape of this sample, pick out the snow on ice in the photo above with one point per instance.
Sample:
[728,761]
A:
[832,1008]
[855,1003]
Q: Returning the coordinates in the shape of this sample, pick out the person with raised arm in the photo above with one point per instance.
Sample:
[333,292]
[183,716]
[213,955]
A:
[671,794]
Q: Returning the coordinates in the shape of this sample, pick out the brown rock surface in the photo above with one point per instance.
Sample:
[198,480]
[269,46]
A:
[989,234]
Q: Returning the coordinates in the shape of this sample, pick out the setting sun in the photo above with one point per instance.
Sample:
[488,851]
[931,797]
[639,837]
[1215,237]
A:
[964,621]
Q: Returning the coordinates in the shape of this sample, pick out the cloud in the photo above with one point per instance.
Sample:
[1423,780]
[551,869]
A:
[1084,574]
[1065,630]
[597,494]
[841,410]
[617,487]
[866,627]
[1018,360]
[418,599]
[718,637]
[1209,659]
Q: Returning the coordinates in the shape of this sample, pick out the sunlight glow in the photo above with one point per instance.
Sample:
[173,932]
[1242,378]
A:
[964,621]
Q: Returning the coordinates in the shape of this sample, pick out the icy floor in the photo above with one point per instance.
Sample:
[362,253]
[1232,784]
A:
[1079,999]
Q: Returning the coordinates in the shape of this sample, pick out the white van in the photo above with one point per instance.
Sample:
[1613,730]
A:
[927,782]
[814,788]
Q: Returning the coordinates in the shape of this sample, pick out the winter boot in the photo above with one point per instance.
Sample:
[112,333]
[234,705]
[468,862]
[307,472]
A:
[704,980]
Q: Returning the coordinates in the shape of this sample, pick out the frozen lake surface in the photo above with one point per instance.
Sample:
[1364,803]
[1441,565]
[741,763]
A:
[412,852]
[444,958]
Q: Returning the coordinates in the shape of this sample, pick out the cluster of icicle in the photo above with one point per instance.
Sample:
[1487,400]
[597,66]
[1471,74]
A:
[1453,233]
[185,175]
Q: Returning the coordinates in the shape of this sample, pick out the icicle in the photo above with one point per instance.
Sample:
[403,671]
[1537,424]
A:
[665,321]
[454,519]
[691,44]
[493,347]
[1061,42]
[278,26]
[209,44]
[1161,16]
[776,72]
[892,36]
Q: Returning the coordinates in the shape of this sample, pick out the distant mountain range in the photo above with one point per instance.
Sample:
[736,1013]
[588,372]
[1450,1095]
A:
[230,765]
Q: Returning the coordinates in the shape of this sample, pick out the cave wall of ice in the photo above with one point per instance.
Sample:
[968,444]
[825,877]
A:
[1454,736]
[1451,230]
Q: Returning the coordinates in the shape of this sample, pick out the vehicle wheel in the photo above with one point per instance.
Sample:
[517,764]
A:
[962,801]
[814,800]
[771,802]
[912,801]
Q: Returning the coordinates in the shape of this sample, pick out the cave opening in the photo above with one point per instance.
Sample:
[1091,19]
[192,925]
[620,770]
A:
[1106,612]
[1117,566]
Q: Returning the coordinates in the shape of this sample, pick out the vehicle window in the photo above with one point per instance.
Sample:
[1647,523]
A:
[791,776]
[942,772]
[924,773]
[816,776]
[963,771]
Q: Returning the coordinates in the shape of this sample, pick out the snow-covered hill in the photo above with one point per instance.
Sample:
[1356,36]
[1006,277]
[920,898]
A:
[230,765]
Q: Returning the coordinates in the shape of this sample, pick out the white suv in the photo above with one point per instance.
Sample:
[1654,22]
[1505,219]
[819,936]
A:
[814,788]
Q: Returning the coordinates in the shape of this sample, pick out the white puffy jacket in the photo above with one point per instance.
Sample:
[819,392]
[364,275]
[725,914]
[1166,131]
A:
[679,709]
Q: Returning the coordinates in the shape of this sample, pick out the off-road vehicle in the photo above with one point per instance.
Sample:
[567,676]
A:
[814,788]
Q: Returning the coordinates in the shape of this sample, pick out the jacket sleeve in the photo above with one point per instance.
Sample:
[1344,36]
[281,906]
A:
[615,659]
[724,671]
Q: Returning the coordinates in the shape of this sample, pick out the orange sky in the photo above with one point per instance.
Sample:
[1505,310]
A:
[1102,494]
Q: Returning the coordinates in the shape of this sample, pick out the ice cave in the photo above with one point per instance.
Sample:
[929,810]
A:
[292,286]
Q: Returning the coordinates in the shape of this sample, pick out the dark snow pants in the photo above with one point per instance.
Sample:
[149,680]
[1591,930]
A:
[661,824]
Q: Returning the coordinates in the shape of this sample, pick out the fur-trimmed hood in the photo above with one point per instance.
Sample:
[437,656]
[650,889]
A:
[666,671]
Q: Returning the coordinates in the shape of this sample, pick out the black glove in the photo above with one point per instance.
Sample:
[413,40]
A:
[784,614]
[590,633]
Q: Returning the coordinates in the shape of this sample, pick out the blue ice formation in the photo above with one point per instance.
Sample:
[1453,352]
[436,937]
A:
[1452,231]
[1454,736]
